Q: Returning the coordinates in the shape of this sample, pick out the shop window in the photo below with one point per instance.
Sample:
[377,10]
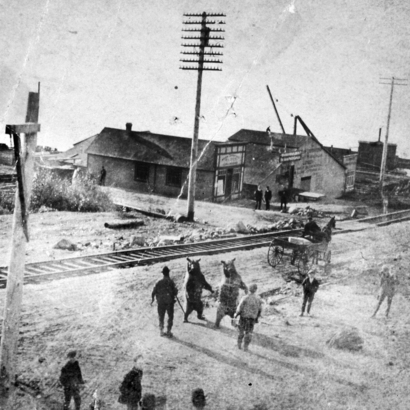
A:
[174,177]
[141,172]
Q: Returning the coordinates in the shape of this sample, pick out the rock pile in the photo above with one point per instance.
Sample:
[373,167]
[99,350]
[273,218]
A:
[346,339]
[294,210]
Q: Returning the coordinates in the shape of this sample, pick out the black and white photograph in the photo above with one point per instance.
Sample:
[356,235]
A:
[204,205]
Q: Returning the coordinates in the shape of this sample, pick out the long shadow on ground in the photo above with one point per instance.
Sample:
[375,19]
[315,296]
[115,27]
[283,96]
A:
[244,366]
[266,342]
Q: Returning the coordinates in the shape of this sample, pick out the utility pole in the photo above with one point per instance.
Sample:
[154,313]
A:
[204,48]
[24,157]
[393,81]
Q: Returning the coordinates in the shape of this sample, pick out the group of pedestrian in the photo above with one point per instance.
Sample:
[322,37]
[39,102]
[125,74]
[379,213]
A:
[130,389]
[263,196]
[387,289]
[267,197]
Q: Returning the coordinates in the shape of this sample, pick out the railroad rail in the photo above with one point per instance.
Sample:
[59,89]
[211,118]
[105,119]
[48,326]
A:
[140,256]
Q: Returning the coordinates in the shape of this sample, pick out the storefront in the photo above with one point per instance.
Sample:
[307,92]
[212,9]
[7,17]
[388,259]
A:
[230,165]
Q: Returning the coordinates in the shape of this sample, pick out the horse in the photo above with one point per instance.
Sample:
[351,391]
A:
[229,291]
[323,238]
[325,234]
[194,283]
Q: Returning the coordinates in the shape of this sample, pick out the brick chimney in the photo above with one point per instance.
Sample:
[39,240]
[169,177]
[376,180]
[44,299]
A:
[128,126]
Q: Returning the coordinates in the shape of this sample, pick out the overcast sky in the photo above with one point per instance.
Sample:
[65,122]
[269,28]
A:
[105,62]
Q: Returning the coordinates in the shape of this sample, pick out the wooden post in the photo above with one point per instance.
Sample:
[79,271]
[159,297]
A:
[384,155]
[15,276]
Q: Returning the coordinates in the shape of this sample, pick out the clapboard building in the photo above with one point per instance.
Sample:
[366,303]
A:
[370,155]
[300,162]
[155,163]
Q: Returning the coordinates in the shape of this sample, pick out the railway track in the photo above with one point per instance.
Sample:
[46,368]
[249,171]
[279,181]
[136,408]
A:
[139,257]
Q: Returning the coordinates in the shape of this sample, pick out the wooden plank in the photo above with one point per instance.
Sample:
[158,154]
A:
[16,269]
[29,128]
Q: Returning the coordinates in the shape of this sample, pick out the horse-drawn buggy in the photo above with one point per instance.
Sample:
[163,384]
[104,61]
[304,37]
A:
[304,252]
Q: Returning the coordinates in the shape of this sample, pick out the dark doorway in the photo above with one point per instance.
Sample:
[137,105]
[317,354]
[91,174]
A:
[228,182]
[291,176]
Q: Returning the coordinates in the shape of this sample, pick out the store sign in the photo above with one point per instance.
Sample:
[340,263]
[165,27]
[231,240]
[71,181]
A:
[229,160]
[290,156]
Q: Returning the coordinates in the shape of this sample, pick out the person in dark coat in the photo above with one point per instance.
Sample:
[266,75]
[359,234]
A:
[198,398]
[103,174]
[71,379]
[310,286]
[283,195]
[268,197]
[131,389]
[258,197]
[311,228]
[165,291]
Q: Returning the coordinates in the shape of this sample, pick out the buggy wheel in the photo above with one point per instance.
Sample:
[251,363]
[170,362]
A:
[275,254]
[306,262]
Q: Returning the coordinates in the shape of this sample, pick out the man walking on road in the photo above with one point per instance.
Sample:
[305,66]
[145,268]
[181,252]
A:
[165,291]
[268,197]
[310,286]
[258,197]
[249,310]
[388,282]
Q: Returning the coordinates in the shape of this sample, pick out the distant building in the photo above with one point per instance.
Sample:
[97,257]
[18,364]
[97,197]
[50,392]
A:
[370,155]
[311,167]
[153,163]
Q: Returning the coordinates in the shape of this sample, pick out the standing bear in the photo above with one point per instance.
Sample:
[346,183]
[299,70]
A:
[229,291]
[194,283]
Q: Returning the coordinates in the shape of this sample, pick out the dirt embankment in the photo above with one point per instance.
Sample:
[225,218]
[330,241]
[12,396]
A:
[108,319]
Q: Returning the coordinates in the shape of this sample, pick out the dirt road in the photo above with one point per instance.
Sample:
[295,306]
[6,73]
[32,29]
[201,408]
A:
[108,319]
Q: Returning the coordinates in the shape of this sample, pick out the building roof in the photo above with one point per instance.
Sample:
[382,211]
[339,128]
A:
[76,155]
[152,148]
[376,143]
[262,138]
[279,140]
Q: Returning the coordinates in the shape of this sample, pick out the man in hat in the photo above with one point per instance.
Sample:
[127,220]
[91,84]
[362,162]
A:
[258,198]
[283,195]
[310,286]
[249,310]
[71,379]
[388,282]
[268,197]
[165,291]
[311,228]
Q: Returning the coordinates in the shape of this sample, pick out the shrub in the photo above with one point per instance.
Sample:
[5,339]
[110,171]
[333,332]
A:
[6,202]
[52,191]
